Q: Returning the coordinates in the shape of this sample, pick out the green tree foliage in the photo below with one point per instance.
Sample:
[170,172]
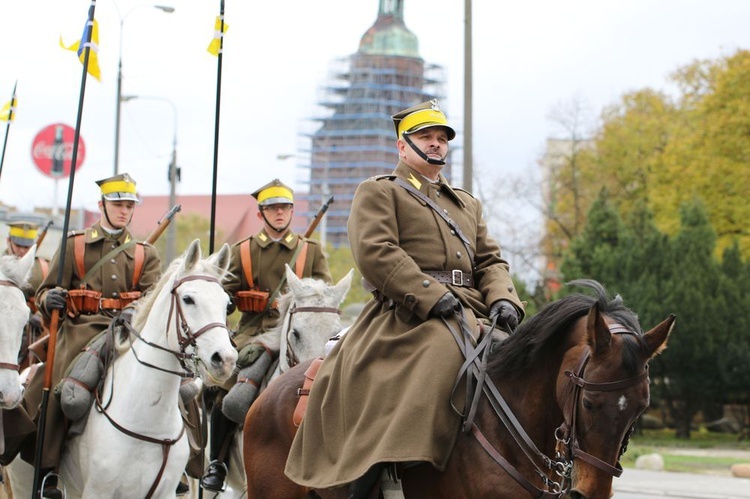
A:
[189,227]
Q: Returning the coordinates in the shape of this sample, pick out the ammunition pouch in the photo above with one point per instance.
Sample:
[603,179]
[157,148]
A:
[88,301]
[252,301]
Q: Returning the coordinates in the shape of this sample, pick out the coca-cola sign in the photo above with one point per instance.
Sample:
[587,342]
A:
[52,150]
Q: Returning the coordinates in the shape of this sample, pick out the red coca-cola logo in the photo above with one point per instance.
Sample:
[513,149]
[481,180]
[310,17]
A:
[52,150]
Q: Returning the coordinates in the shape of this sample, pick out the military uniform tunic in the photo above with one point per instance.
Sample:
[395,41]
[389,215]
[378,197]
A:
[115,276]
[268,260]
[384,393]
[30,332]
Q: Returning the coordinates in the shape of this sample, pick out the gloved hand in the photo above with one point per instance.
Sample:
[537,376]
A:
[35,322]
[506,313]
[445,306]
[231,307]
[55,299]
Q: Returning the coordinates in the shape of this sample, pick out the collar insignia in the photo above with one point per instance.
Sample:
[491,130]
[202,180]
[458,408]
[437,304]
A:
[416,183]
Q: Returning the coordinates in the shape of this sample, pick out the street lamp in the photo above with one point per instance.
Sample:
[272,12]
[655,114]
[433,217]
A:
[172,173]
[163,8]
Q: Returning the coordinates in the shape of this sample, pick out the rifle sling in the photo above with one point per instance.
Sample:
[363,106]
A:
[451,223]
[106,257]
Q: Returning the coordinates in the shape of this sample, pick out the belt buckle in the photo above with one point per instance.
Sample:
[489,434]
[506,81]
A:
[457,277]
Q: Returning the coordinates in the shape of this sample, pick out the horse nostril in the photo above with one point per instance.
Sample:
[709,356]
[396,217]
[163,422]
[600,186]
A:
[217,360]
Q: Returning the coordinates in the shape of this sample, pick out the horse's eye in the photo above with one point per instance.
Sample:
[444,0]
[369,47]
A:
[188,300]
[296,334]
[587,404]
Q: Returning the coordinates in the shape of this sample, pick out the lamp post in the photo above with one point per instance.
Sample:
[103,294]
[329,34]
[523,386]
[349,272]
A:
[172,173]
[163,8]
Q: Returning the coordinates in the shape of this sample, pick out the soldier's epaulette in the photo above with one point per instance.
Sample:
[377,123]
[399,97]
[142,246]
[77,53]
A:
[462,190]
[72,233]
[388,176]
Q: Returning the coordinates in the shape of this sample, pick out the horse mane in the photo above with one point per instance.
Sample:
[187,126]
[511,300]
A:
[146,303]
[528,345]
[272,337]
[9,269]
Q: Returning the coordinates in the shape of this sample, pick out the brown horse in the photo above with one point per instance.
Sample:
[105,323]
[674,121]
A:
[562,396]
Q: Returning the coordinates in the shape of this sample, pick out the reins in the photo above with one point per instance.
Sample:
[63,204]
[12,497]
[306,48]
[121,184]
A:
[475,368]
[185,338]
[8,365]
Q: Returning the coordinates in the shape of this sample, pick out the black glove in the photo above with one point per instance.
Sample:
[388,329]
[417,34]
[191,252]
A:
[445,306]
[35,322]
[506,313]
[55,299]
[231,307]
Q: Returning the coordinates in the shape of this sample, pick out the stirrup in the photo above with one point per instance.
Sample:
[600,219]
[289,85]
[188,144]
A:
[218,464]
[60,485]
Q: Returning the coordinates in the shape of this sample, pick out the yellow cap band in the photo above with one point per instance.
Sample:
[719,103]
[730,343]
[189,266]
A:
[275,192]
[118,186]
[23,233]
[429,117]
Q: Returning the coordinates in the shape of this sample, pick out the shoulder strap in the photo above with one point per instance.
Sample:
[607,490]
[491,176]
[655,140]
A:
[140,257]
[44,267]
[451,223]
[292,262]
[79,248]
[247,262]
[299,267]
[106,257]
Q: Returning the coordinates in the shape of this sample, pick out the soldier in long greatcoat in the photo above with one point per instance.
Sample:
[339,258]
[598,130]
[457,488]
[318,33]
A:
[109,257]
[258,270]
[383,395]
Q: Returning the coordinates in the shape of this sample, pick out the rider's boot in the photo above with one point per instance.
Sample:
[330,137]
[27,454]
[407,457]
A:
[222,430]
[362,487]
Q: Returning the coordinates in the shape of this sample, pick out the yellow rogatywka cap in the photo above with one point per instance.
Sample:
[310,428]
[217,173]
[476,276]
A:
[274,192]
[119,188]
[421,116]
[23,233]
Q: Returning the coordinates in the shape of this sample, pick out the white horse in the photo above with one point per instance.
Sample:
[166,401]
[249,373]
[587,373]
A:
[14,274]
[311,316]
[134,443]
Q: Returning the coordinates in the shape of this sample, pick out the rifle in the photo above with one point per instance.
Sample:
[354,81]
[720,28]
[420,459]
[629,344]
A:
[318,216]
[40,237]
[163,223]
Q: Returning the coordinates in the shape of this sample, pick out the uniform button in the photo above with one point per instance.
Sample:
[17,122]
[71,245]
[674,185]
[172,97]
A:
[453,232]
[425,283]
[114,246]
[114,277]
[437,193]
[445,210]
[510,289]
[114,294]
[112,261]
[458,254]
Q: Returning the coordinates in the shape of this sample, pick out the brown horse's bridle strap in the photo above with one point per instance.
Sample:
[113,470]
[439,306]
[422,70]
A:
[8,365]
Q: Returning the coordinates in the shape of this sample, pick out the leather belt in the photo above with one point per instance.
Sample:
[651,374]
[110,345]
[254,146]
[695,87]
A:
[454,277]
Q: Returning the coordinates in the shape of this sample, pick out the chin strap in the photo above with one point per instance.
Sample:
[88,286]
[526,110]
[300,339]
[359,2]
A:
[281,231]
[421,154]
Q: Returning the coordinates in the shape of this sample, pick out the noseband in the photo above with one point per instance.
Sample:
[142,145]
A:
[291,356]
[8,365]
[566,436]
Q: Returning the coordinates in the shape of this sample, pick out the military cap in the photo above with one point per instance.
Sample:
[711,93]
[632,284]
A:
[118,188]
[424,115]
[23,233]
[274,192]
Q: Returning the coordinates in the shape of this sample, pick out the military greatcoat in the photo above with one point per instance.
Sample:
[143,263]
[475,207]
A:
[115,276]
[32,333]
[384,393]
[268,260]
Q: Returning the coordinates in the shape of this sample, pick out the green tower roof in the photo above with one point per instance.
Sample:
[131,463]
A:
[389,35]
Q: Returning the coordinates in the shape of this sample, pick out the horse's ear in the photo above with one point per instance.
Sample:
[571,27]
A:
[599,336]
[294,282]
[192,255]
[25,265]
[342,287]
[656,339]
[221,260]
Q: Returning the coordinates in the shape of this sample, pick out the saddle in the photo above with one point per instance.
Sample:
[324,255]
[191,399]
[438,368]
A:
[304,392]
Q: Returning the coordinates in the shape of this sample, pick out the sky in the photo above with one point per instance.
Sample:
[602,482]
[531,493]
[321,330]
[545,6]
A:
[529,58]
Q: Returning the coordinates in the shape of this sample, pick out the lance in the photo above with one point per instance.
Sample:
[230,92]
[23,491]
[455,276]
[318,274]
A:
[219,57]
[55,316]
[11,112]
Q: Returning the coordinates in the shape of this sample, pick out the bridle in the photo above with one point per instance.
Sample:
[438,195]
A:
[185,338]
[291,356]
[562,465]
[8,365]
[565,434]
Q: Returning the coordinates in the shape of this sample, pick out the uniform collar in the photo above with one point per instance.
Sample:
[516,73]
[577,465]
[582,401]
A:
[96,233]
[264,240]
[416,179]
